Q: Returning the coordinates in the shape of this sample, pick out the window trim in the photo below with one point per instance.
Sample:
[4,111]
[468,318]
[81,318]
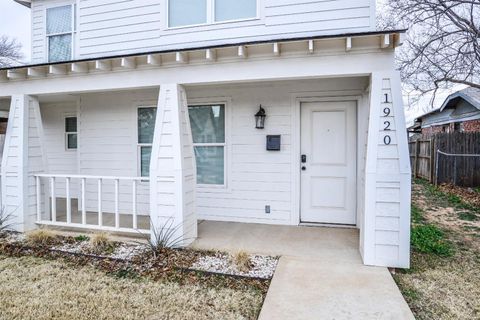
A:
[226,145]
[73,32]
[211,16]
[140,145]
[66,134]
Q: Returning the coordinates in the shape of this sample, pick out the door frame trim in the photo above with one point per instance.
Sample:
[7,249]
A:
[297,100]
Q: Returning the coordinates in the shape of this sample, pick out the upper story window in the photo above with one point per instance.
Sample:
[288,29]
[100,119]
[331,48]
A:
[195,12]
[60,32]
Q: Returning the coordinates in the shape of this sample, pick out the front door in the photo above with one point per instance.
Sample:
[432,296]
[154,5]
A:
[328,166]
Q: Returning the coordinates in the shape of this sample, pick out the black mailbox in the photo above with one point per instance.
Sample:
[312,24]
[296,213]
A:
[274,143]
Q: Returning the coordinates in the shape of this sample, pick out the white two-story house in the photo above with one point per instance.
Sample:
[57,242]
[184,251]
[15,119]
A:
[138,112]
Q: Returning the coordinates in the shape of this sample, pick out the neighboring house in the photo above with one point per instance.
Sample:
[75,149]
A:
[146,110]
[459,113]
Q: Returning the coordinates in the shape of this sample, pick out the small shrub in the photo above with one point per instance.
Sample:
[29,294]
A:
[242,261]
[468,216]
[430,239]
[100,242]
[165,236]
[82,238]
[4,222]
[42,237]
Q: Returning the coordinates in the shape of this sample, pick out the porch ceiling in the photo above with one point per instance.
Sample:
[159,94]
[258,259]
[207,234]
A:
[261,49]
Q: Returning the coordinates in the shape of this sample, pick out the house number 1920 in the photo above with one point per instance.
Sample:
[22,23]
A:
[387,139]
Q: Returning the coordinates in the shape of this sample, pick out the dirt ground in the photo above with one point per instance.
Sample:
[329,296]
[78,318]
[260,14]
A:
[444,286]
[37,288]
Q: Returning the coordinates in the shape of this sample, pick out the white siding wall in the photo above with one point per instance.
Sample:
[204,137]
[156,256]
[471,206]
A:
[108,145]
[109,27]
[256,177]
[60,160]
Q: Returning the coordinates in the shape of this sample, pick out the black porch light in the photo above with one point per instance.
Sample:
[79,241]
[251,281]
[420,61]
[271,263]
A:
[260,118]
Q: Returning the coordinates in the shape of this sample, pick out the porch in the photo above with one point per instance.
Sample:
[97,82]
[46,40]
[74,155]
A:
[98,151]
[79,153]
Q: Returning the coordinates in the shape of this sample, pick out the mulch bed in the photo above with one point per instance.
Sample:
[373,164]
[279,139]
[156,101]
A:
[165,265]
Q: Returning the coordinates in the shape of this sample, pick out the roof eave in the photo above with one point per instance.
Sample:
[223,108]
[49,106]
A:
[26,3]
[460,95]
[218,46]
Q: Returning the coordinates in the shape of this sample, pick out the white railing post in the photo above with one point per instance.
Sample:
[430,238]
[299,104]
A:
[54,199]
[84,209]
[82,199]
[39,201]
[134,204]
[69,200]
[100,214]
[117,212]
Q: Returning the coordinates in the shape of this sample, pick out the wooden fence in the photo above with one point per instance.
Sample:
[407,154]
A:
[447,158]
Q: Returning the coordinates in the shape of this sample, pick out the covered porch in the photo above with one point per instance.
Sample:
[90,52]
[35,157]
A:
[110,144]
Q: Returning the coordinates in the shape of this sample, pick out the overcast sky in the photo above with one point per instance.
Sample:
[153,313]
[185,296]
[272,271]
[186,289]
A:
[15,22]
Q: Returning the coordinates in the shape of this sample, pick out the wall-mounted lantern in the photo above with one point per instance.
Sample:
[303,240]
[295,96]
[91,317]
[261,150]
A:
[260,118]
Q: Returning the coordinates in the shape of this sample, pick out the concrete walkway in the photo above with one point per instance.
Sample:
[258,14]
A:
[320,274]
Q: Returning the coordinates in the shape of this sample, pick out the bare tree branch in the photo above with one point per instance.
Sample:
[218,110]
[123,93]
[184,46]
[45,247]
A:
[443,42]
[9,51]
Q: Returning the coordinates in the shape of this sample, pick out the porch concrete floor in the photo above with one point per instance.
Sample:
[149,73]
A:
[320,274]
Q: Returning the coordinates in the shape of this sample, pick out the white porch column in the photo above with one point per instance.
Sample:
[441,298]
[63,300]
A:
[385,236]
[23,157]
[172,165]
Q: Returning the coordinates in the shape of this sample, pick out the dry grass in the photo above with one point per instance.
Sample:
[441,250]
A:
[443,287]
[100,242]
[41,237]
[34,288]
[242,261]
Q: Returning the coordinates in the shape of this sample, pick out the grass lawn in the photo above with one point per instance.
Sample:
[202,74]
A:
[37,288]
[444,279]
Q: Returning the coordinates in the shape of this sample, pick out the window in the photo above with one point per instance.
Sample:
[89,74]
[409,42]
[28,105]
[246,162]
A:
[235,10]
[187,12]
[208,132]
[71,133]
[146,128]
[60,29]
[193,12]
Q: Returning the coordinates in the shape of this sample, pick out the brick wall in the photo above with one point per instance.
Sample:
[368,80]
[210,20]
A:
[471,126]
[433,130]
[467,126]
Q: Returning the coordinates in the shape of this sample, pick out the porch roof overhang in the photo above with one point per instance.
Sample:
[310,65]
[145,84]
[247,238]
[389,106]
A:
[341,55]
[387,39]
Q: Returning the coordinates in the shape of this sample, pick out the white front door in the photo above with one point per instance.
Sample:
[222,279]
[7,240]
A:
[328,166]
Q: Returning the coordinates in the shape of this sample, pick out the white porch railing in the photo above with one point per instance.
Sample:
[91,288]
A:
[106,220]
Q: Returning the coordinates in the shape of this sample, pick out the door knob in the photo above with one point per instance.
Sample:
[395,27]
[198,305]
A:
[304,168]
